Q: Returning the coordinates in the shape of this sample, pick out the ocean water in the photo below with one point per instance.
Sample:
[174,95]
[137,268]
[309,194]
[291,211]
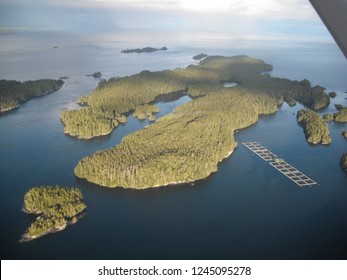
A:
[247,210]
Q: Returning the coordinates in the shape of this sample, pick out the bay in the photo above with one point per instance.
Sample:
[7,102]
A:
[247,210]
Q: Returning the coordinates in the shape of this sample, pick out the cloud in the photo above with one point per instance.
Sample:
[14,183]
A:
[284,9]
[263,16]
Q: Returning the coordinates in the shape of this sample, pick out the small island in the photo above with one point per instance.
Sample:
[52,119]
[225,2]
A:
[329,117]
[146,111]
[316,130]
[95,75]
[332,94]
[341,115]
[14,93]
[57,208]
[144,50]
[343,162]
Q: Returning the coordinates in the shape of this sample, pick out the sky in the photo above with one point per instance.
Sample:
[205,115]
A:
[271,17]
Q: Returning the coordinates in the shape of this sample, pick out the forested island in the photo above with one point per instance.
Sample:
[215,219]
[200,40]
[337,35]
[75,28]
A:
[95,75]
[14,93]
[341,115]
[56,206]
[332,94]
[328,117]
[315,129]
[146,111]
[188,144]
[144,50]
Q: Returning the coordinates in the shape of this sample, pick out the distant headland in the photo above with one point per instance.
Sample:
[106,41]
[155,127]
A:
[14,93]
[200,56]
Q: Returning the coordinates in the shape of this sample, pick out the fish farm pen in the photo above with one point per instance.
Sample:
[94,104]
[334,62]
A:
[282,166]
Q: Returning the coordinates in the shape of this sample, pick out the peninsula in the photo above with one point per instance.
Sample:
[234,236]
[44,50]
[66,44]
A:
[187,144]
[14,93]
[144,50]
[200,56]
[56,206]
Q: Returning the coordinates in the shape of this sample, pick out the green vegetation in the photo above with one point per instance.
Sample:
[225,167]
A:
[14,93]
[316,130]
[341,115]
[143,111]
[344,133]
[121,118]
[181,147]
[343,162]
[328,117]
[188,144]
[57,207]
[122,95]
[88,122]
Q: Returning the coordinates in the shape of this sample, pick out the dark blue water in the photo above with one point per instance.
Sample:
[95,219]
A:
[247,210]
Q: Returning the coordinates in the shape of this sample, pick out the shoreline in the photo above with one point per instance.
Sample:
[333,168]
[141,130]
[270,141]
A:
[165,97]
[166,184]
[26,237]
[8,109]
[86,138]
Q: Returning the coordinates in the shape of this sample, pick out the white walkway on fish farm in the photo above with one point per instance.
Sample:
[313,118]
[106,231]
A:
[285,168]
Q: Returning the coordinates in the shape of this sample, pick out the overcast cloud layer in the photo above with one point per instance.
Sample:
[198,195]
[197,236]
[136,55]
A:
[285,17]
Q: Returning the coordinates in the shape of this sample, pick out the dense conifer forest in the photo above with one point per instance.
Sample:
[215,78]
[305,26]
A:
[341,115]
[188,144]
[181,147]
[14,93]
[119,96]
[56,206]
[315,129]
[146,111]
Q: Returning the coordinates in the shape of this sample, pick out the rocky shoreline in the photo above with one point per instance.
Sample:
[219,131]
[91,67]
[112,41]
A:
[26,237]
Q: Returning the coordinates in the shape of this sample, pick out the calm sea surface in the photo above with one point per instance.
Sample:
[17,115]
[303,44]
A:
[247,210]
